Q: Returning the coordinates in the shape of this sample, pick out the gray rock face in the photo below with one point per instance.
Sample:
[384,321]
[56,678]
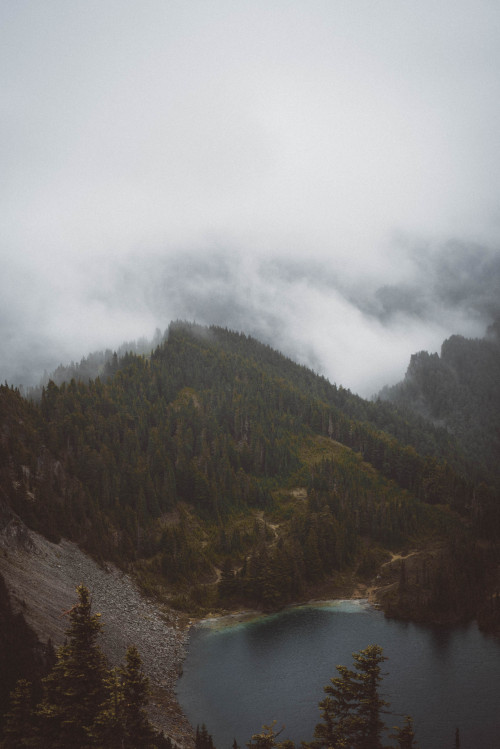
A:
[42,577]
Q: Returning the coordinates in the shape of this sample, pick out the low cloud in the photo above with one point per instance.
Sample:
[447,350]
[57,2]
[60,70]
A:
[323,176]
[357,333]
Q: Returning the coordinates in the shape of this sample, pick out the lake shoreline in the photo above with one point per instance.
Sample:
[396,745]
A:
[246,658]
[238,616]
[374,594]
[245,615]
[352,591]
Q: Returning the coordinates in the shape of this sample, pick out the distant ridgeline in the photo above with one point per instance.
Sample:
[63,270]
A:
[96,364]
[459,390]
[222,473]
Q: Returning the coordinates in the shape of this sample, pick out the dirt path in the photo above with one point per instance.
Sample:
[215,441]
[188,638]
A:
[395,557]
[373,589]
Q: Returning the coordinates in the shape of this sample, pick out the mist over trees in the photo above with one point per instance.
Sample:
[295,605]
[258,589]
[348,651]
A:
[222,474]
[296,171]
[460,391]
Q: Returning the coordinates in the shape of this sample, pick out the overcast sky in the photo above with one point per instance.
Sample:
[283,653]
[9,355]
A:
[324,175]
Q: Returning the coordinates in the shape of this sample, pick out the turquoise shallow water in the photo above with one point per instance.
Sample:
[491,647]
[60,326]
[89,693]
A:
[241,675]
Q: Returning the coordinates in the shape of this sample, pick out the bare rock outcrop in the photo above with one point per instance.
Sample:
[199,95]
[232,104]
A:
[42,576]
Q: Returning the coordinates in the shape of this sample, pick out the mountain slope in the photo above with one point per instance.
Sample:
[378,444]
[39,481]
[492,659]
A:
[215,473]
[220,474]
[41,577]
[460,390]
[171,461]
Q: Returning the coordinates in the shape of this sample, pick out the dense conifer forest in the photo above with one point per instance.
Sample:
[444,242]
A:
[220,473]
[460,390]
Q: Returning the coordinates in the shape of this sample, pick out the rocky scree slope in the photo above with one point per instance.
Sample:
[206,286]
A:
[41,578]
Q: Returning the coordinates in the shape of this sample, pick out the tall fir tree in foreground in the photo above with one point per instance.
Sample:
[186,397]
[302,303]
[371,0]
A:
[351,712]
[135,690]
[75,690]
[85,705]
[353,708]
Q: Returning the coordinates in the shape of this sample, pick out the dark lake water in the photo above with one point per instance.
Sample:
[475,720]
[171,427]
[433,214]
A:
[238,677]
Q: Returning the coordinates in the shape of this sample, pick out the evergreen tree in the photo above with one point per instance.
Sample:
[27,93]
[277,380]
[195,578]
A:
[74,691]
[352,709]
[135,689]
[266,739]
[338,712]
[203,740]
[370,704]
[109,730]
[84,703]
[18,720]
[405,736]
[227,583]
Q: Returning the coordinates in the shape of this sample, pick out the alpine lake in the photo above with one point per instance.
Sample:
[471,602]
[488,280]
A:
[242,673]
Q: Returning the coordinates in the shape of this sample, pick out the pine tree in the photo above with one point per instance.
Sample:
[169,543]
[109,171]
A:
[75,689]
[17,730]
[122,722]
[371,705]
[352,709]
[266,739]
[338,712]
[203,740]
[405,736]
[84,703]
[135,689]
[109,730]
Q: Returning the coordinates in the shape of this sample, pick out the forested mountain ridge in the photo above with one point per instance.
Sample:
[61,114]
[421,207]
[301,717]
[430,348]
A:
[408,428]
[222,474]
[211,418]
[191,419]
[459,390]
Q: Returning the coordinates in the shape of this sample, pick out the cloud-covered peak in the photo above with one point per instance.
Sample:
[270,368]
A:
[322,175]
